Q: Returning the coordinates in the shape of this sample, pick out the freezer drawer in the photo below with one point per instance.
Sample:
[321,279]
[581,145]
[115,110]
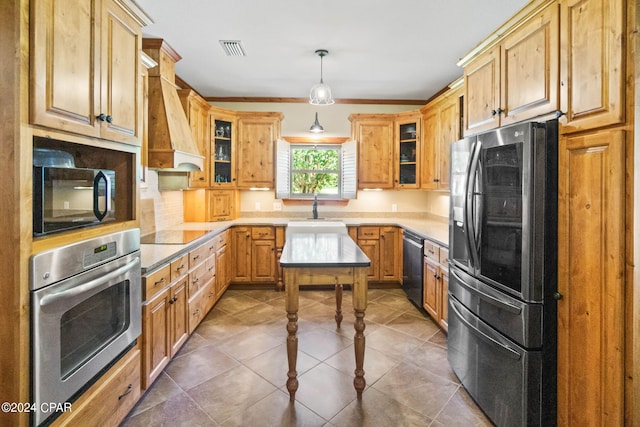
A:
[502,377]
[518,320]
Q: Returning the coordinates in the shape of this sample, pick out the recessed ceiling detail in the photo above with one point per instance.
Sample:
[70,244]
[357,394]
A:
[233,47]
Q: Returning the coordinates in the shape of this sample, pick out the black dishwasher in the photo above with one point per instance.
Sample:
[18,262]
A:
[412,246]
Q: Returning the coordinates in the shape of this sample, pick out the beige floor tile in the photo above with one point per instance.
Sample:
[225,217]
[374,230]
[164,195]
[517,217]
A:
[231,393]
[325,390]
[232,371]
[377,409]
[419,389]
[179,411]
[199,366]
[276,410]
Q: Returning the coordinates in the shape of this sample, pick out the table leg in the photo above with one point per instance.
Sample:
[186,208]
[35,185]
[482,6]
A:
[291,306]
[338,303]
[359,307]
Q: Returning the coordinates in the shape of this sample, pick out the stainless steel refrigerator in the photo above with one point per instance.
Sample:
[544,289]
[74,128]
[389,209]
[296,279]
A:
[502,271]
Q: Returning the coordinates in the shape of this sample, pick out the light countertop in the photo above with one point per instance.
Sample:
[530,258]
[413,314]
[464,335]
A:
[156,255]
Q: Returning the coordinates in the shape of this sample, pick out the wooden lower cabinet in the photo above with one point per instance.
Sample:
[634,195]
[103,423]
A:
[165,328]
[383,246]
[254,250]
[109,400]
[436,283]
[177,297]
[591,279]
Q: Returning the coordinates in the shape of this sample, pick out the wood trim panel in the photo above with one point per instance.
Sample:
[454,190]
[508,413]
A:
[306,100]
[591,322]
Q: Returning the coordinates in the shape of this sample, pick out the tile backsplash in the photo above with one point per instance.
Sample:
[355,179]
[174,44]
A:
[159,209]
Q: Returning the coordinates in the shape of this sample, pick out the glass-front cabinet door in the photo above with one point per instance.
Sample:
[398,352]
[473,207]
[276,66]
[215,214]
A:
[222,154]
[407,153]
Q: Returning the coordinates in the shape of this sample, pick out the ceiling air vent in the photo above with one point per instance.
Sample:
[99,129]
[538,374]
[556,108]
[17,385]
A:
[233,47]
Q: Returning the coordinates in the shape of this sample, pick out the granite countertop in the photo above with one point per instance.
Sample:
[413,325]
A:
[156,255]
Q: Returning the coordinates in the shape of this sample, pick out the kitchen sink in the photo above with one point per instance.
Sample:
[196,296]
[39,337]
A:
[316,226]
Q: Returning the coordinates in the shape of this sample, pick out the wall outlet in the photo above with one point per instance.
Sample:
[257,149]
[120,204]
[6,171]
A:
[394,207]
[277,206]
[65,204]
[258,206]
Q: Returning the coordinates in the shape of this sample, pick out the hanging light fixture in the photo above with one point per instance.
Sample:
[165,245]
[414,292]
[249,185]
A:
[320,93]
[316,127]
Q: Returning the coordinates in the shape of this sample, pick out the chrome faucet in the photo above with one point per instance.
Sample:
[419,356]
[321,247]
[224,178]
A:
[315,206]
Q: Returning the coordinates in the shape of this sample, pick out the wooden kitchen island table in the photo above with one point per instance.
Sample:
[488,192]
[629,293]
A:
[318,253]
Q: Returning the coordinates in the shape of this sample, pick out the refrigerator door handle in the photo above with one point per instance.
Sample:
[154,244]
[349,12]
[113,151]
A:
[486,338]
[504,305]
[470,205]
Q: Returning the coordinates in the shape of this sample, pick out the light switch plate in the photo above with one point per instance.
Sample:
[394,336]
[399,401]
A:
[394,207]
[277,206]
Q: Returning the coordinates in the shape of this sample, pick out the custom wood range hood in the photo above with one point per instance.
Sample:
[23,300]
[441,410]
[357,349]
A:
[172,149]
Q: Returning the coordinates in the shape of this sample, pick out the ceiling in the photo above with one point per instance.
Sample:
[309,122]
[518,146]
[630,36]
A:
[378,49]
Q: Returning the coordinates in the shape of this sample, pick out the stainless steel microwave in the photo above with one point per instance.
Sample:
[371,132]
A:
[67,198]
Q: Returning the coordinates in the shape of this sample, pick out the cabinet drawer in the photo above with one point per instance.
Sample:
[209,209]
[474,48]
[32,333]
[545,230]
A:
[197,311]
[368,232]
[432,251]
[221,239]
[179,267]
[262,233]
[110,399]
[444,257]
[198,255]
[211,248]
[156,281]
[198,279]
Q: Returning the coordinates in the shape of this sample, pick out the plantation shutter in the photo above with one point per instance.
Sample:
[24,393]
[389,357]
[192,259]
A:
[282,169]
[349,171]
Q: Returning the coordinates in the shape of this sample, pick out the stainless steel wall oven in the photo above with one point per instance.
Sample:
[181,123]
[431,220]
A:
[86,307]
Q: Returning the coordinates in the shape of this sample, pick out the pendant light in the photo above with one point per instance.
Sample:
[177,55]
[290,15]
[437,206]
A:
[320,93]
[316,127]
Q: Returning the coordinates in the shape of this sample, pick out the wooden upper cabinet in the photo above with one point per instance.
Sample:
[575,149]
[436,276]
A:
[592,72]
[529,68]
[86,69]
[441,127]
[197,111]
[257,135]
[516,78]
[223,147]
[374,135]
[408,133]
[482,92]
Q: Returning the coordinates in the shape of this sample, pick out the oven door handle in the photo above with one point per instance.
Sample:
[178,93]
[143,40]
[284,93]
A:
[488,339]
[98,283]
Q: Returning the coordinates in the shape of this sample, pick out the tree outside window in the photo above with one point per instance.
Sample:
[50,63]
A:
[315,169]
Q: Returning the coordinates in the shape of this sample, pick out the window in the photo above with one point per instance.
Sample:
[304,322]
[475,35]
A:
[305,169]
[315,169]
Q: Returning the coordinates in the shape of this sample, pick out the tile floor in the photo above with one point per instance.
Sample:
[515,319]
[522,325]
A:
[232,370]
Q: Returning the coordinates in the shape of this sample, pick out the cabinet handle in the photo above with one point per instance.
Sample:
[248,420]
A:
[180,268]
[159,282]
[196,257]
[173,300]
[436,180]
[195,282]
[129,390]
[497,111]
[247,236]
[102,117]
[109,119]
[557,296]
